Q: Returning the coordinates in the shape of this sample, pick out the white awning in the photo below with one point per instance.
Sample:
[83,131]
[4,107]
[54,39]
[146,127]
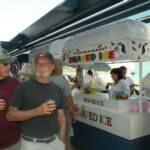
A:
[126,40]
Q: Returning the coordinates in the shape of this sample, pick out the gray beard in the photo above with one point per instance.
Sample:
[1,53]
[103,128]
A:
[46,74]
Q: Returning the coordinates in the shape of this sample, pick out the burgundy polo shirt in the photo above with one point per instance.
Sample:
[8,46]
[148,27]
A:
[9,131]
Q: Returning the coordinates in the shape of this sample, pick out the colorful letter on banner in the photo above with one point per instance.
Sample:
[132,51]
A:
[107,55]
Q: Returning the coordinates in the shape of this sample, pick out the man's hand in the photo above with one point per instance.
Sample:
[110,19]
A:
[46,108]
[74,117]
[14,114]
[2,104]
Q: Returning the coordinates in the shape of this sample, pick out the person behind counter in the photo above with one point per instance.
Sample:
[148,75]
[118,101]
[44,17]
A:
[120,88]
[127,79]
[88,82]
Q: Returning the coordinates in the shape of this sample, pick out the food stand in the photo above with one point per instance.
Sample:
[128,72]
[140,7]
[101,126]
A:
[104,123]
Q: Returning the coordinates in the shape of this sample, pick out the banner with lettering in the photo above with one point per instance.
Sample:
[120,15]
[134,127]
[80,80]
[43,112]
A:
[127,40]
[126,125]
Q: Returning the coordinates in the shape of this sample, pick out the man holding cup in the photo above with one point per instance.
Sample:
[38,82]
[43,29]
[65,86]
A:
[38,105]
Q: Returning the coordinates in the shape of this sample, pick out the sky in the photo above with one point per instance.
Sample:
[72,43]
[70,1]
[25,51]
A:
[17,15]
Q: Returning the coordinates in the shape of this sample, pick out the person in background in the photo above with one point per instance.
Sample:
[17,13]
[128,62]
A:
[93,83]
[89,79]
[9,131]
[119,86]
[127,79]
[39,105]
[71,79]
[79,76]
[76,88]
[90,73]
[71,115]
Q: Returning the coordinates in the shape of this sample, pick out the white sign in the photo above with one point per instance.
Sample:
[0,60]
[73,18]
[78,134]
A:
[117,105]
[127,125]
[126,40]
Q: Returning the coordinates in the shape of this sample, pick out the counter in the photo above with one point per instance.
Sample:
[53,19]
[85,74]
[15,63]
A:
[112,117]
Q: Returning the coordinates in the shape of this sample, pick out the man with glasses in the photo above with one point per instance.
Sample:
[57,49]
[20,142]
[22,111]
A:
[38,105]
[9,131]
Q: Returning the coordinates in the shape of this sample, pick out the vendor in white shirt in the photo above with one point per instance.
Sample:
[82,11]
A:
[120,88]
[128,79]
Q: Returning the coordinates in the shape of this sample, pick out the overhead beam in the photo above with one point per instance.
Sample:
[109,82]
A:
[131,8]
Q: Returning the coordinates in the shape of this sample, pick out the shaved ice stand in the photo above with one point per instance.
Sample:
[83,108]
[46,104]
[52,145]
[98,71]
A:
[105,123]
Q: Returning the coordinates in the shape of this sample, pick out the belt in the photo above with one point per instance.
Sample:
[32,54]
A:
[37,140]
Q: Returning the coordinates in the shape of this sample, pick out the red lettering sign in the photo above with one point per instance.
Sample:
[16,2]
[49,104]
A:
[100,55]
[111,54]
[88,57]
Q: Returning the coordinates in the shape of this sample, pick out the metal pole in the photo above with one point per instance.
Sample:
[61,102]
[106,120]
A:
[141,86]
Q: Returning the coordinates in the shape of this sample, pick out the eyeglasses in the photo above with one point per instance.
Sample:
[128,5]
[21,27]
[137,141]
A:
[43,64]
